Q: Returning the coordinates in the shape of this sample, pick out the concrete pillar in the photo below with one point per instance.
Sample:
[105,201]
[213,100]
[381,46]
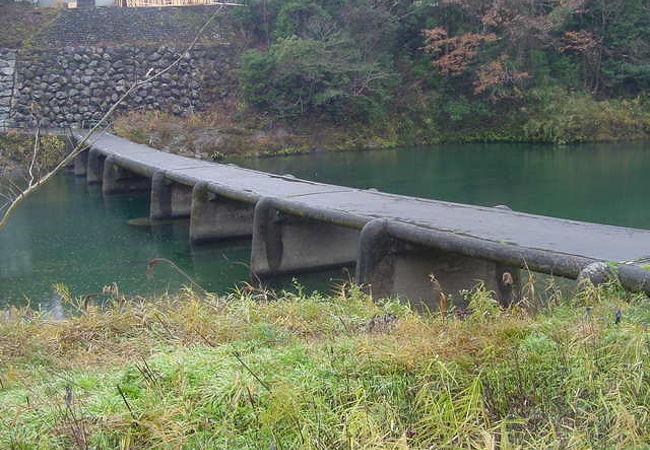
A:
[394,267]
[181,200]
[80,163]
[117,180]
[160,207]
[285,243]
[597,273]
[214,217]
[95,167]
[169,200]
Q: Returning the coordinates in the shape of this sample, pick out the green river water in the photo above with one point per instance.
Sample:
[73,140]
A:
[67,233]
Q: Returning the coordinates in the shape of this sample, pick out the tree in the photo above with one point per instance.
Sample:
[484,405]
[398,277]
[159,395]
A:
[500,80]
[306,76]
[454,55]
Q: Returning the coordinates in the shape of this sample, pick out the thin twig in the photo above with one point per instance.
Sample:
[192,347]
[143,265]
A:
[154,261]
[241,361]
[37,139]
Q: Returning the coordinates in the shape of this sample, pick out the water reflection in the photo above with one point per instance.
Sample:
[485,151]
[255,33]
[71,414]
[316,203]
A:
[67,233]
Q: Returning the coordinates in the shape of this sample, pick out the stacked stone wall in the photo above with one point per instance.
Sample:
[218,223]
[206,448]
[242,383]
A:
[76,86]
[86,59]
[118,26]
[7,75]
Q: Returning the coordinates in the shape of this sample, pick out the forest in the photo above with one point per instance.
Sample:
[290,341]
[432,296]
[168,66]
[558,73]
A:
[517,70]
[345,74]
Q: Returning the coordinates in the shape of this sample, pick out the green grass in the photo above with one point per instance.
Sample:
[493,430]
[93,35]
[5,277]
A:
[252,370]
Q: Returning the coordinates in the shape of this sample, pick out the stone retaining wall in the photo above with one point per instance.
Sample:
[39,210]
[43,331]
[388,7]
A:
[76,68]
[119,26]
[75,86]
[7,75]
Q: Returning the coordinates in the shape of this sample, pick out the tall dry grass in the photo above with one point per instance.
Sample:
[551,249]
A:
[293,370]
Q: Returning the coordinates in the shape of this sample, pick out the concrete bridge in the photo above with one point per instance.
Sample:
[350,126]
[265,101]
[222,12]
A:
[396,242]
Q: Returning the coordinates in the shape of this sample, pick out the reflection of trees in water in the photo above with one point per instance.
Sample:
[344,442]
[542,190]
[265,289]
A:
[591,182]
[15,243]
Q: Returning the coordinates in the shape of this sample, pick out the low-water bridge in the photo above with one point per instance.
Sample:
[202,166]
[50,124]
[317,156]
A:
[395,241]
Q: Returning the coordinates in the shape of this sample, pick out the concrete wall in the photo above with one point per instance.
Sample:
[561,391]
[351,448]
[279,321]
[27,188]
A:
[217,217]
[284,243]
[393,263]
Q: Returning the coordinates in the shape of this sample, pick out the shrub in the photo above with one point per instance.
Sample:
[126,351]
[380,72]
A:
[562,117]
[305,77]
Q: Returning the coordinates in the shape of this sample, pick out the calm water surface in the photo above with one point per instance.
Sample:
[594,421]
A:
[605,183]
[69,234]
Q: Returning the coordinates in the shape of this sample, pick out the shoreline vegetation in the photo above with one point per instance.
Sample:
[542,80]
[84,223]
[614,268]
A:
[351,74]
[17,151]
[216,135]
[256,369]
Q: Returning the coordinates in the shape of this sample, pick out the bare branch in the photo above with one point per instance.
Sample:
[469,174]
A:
[37,139]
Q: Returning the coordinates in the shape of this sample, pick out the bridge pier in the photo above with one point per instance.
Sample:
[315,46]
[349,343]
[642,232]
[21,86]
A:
[214,216]
[287,243]
[95,167]
[169,200]
[80,164]
[118,180]
[395,264]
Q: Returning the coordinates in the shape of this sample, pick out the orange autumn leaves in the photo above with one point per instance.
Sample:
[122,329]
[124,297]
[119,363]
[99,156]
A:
[500,79]
[505,33]
[456,55]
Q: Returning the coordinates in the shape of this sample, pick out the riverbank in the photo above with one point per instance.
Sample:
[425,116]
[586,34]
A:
[559,119]
[218,135]
[255,370]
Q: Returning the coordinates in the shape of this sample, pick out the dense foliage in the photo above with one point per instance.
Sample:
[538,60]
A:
[305,76]
[509,69]
[319,60]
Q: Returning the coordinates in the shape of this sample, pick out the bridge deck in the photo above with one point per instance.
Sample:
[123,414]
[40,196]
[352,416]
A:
[357,207]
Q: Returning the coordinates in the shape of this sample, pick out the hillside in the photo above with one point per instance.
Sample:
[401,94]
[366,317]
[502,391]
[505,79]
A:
[376,74]
[356,73]
[20,22]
